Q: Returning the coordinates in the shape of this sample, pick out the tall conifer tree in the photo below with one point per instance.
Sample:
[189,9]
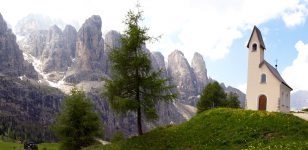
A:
[135,86]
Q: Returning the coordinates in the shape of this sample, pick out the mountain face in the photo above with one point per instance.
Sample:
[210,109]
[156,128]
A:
[112,41]
[12,62]
[34,43]
[68,58]
[183,77]
[199,68]
[158,62]
[90,57]
[27,108]
[70,38]
[240,94]
[56,56]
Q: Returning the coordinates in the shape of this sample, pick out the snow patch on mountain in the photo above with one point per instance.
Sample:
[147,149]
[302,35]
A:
[61,84]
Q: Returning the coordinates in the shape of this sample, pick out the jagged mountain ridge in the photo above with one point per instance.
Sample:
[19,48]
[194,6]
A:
[63,64]
[91,62]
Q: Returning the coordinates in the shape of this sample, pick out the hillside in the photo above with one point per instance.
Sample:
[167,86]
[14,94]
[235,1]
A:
[26,109]
[225,129]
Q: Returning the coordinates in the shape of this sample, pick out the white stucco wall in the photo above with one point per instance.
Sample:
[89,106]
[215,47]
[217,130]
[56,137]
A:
[271,89]
[284,98]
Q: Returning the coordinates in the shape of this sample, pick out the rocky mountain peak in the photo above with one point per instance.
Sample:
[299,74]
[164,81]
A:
[70,38]
[54,33]
[90,56]
[69,28]
[177,52]
[199,68]
[90,44]
[55,57]
[12,62]
[182,76]
[197,58]
[160,60]
[34,43]
[94,22]
[158,63]
[3,25]
[112,40]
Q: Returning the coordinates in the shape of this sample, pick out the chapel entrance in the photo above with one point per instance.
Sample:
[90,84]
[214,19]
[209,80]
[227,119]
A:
[262,102]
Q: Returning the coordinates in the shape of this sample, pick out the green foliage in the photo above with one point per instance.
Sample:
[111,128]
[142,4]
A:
[77,124]
[16,146]
[214,96]
[22,112]
[224,128]
[48,146]
[135,86]
[17,128]
[118,136]
[34,147]
[10,146]
[232,100]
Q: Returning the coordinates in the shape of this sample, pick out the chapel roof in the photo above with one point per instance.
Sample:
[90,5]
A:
[275,72]
[259,35]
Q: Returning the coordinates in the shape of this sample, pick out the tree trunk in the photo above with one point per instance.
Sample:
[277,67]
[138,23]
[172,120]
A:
[139,124]
[139,121]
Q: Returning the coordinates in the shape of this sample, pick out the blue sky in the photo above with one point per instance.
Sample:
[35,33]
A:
[280,45]
[280,42]
[217,29]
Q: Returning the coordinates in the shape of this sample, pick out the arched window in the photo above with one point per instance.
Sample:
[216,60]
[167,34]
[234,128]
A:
[254,47]
[263,78]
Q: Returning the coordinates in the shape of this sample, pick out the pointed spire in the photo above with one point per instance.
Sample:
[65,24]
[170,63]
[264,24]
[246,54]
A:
[259,35]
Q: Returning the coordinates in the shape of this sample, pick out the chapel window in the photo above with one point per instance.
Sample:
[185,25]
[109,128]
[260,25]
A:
[254,47]
[263,78]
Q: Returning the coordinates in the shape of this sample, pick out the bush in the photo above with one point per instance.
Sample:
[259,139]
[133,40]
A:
[306,109]
[77,124]
[214,96]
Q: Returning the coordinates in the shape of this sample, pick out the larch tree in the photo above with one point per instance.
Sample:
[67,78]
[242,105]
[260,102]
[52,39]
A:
[134,85]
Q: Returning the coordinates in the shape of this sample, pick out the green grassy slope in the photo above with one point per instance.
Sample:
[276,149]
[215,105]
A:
[224,129]
[15,146]
[10,146]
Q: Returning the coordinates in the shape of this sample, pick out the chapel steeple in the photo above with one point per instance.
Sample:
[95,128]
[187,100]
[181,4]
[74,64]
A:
[256,47]
[258,34]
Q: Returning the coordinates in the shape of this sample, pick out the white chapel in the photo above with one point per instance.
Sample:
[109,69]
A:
[266,89]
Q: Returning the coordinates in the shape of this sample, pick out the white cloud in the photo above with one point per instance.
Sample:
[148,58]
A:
[295,16]
[206,26]
[210,27]
[297,74]
[242,87]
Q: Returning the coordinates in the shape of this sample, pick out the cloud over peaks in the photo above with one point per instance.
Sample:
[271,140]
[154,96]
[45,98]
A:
[297,74]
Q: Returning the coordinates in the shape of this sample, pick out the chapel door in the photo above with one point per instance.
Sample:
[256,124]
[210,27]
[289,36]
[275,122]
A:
[262,102]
